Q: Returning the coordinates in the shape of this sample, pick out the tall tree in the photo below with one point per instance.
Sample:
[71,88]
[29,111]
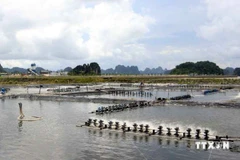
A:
[200,68]
[1,69]
[86,69]
[237,71]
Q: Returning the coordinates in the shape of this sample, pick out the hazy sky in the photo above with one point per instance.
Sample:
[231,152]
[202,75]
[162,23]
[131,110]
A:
[55,34]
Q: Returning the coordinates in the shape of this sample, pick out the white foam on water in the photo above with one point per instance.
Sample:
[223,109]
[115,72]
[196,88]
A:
[199,95]
[165,125]
[238,96]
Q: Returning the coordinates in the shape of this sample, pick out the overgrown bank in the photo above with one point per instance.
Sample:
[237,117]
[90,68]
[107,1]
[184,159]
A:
[118,79]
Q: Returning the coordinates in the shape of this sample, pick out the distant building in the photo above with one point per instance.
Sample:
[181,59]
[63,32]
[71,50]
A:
[45,72]
[58,73]
[32,70]
[3,74]
[54,73]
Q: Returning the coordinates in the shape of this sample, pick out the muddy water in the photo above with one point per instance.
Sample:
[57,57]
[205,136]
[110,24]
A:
[57,137]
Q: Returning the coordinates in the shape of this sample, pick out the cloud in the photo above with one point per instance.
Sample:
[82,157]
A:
[62,30]
[223,21]
[55,34]
[221,30]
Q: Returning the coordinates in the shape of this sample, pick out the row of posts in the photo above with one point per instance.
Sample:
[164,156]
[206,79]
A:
[145,129]
[132,93]
[189,86]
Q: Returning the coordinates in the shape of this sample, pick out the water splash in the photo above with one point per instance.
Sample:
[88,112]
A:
[238,96]
[164,124]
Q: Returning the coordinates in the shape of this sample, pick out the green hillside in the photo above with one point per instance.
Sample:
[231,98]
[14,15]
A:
[199,68]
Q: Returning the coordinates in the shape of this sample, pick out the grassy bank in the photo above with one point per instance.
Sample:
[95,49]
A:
[120,79]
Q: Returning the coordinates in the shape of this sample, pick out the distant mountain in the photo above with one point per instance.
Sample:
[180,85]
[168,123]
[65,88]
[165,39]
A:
[228,71]
[108,71]
[15,70]
[237,71]
[158,70]
[67,69]
[121,69]
[1,69]
[21,70]
[38,69]
[167,71]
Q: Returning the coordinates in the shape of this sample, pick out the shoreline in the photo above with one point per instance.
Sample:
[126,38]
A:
[152,79]
[86,92]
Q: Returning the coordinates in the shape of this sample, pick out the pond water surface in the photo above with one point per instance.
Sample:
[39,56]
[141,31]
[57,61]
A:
[57,137]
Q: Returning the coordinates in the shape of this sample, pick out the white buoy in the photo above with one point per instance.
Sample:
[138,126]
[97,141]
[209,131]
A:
[22,117]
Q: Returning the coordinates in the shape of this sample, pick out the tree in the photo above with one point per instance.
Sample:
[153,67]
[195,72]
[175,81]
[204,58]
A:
[184,68]
[236,71]
[95,68]
[228,71]
[1,69]
[86,69]
[200,68]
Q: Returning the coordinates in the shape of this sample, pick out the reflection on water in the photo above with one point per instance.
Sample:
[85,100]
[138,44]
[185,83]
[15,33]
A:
[57,137]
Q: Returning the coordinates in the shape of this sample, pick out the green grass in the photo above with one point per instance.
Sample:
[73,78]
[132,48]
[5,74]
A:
[120,79]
